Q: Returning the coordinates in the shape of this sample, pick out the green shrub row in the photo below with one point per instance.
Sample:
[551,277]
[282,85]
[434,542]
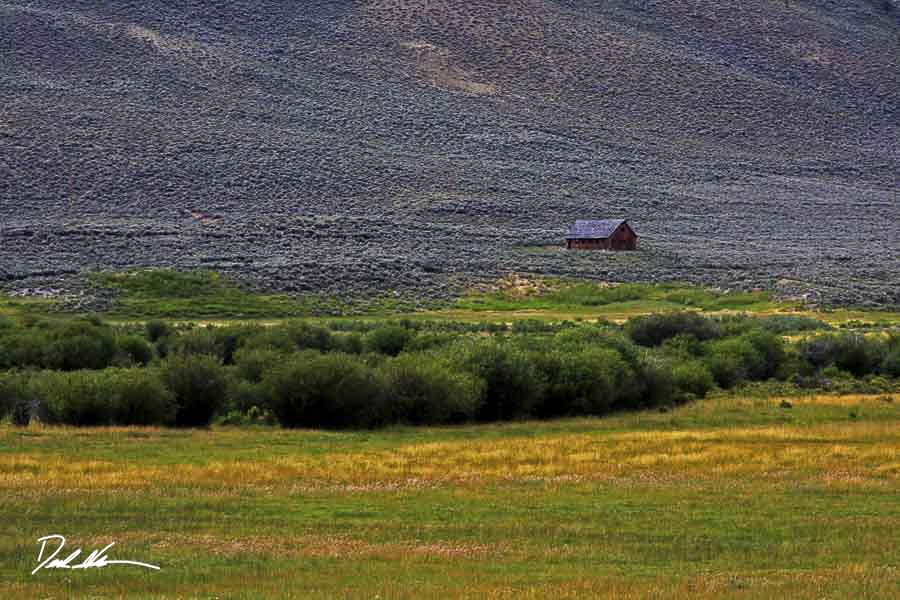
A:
[89,344]
[70,346]
[473,379]
[307,375]
[184,391]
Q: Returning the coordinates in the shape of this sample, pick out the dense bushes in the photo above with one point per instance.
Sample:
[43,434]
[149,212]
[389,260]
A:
[692,377]
[305,335]
[112,396]
[198,342]
[16,398]
[734,360]
[753,356]
[135,349]
[780,324]
[23,348]
[588,381]
[198,384]
[512,387]
[326,390]
[79,345]
[157,330]
[70,346]
[251,364]
[389,339]
[849,352]
[429,392]
[371,373]
[770,348]
[653,330]
[76,398]
[890,365]
[141,398]
[657,380]
[246,397]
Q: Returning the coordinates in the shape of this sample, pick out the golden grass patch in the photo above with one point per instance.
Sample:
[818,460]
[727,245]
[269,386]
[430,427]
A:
[847,400]
[861,452]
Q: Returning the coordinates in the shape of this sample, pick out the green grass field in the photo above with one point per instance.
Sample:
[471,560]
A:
[210,297]
[162,293]
[728,497]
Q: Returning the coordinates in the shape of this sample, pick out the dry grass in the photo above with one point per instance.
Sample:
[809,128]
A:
[862,451]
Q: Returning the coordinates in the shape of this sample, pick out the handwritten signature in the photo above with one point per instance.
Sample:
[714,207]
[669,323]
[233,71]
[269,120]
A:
[97,558]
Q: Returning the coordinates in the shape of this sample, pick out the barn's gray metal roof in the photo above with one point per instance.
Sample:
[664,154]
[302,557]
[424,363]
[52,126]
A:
[587,229]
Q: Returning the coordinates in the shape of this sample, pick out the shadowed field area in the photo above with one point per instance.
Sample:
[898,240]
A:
[728,497]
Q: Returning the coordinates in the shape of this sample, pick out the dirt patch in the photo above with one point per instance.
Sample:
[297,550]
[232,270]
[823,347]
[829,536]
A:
[434,64]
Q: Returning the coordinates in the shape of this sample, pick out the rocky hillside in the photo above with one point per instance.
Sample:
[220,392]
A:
[350,146]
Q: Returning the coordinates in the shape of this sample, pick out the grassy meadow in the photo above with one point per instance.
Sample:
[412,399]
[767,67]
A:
[726,497]
[210,297]
[742,494]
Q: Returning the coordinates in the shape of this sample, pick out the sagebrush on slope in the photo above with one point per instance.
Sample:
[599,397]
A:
[349,146]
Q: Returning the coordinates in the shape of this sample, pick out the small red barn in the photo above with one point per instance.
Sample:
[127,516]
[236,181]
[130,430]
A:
[606,234]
